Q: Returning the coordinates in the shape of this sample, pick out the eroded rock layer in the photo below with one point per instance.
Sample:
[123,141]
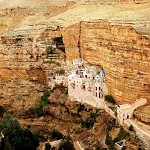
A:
[120,50]
[124,55]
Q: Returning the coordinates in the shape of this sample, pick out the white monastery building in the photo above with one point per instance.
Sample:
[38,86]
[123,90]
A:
[86,83]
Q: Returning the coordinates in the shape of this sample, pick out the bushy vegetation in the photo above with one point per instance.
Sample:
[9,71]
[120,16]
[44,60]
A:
[80,108]
[44,102]
[47,146]
[131,128]
[61,72]
[61,87]
[90,121]
[56,135]
[67,144]
[108,140]
[121,135]
[44,98]
[110,99]
[97,148]
[49,49]
[111,123]
[2,110]
[15,137]
[87,123]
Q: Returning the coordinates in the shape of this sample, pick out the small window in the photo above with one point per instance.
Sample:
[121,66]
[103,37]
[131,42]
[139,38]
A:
[96,94]
[85,76]
[99,95]
[99,88]
[96,88]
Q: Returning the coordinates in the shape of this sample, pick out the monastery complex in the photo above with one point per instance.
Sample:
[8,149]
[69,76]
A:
[87,84]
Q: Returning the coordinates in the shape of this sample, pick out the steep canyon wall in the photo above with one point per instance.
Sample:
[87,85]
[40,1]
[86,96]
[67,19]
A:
[120,50]
[24,71]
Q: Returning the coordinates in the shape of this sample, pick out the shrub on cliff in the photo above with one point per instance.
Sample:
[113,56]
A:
[121,135]
[56,135]
[89,122]
[67,144]
[61,72]
[108,140]
[2,110]
[110,99]
[47,146]
[44,102]
[131,128]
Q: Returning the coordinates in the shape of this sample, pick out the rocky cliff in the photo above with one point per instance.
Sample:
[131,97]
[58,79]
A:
[124,55]
[24,67]
[117,40]
[115,37]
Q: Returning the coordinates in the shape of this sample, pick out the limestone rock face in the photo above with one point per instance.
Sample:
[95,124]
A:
[124,55]
[143,114]
[20,80]
[116,37]
[24,67]
[71,40]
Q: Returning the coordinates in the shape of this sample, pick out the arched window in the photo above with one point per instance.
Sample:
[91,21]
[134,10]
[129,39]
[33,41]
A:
[99,95]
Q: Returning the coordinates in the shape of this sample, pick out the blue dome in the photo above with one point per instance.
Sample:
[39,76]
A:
[102,73]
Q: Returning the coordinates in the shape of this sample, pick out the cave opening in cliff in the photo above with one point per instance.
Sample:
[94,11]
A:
[58,41]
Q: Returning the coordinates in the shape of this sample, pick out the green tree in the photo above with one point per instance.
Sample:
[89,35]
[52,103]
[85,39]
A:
[19,138]
[44,102]
[67,144]
[56,135]
[131,128]
[2,110]
[108,139]
[110,99]
[47,146]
